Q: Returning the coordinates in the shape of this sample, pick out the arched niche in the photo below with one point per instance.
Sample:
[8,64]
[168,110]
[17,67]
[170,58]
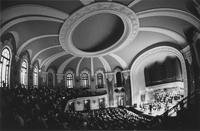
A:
[99,78]
[118,78]
[154,54]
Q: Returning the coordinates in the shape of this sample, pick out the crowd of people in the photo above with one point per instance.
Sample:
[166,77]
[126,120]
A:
[43,108]
[119,119]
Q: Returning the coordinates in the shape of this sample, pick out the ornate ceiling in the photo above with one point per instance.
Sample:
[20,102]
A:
[95,34]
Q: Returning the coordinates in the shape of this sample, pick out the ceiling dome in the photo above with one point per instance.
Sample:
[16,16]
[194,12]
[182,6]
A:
[99,29]
[98,32]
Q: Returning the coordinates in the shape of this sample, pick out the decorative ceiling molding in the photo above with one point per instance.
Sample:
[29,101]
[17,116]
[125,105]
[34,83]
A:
[105,64]
[64,64]
[78,66]
[172,34]
[86,2]
[41,51]
[50,59]
[120,60]
[134,2]
[24,19]
[34,39]
[129,18]
[29,9]
[183,15]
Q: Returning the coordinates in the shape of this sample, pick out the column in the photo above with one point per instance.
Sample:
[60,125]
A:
[127,86]
[109,80]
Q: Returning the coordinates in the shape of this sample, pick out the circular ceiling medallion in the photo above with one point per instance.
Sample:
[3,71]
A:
[98,29]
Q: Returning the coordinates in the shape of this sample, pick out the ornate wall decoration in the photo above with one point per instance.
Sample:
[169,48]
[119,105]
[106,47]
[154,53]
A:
[109,76]
[126,74]
[187,54]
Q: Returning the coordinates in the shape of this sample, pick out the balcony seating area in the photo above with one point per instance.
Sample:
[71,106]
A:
[118,119]
[43,108]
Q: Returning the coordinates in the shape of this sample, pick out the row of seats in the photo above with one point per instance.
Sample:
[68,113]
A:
[117,118]
[43,108]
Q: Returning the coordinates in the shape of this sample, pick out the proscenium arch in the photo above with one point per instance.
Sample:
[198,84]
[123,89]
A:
[152,52]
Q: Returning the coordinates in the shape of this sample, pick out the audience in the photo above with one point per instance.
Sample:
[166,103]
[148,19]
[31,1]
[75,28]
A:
[43,108]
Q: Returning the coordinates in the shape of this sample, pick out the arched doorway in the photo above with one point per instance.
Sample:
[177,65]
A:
[139,87]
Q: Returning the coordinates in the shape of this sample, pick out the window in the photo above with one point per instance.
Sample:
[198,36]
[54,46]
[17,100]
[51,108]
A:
[118,79]
[85,80]
[24,73]
[5,67]
[69,80]
[35,76]
[100,80]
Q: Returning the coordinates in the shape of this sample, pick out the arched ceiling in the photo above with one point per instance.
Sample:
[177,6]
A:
[37,25]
